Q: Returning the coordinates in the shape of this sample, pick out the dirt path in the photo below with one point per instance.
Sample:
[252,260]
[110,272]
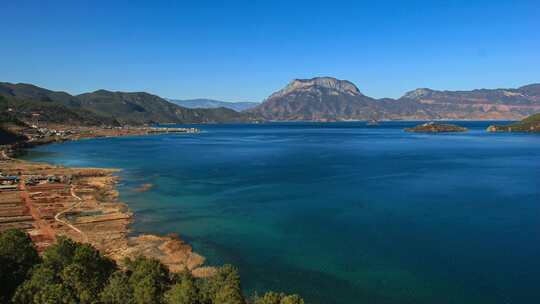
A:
[59,214]
[41,224]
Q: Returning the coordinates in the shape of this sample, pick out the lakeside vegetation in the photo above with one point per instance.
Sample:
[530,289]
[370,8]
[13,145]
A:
[69,272]
[432,127]
[529,124]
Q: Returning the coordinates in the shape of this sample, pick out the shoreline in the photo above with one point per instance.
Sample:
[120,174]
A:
[49,201]
[38,136]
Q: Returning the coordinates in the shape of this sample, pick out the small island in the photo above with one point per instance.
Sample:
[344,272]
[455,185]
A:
[529,124]
[432,127]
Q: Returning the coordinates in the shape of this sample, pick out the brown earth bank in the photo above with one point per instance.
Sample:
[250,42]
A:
[48,201]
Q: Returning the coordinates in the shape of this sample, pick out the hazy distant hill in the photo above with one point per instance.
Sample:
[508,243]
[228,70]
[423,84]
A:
[479,104]
[105,107]
[330,99]
[210,104]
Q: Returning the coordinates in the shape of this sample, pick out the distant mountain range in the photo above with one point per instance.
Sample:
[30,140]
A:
[27,102]
[316,99]
[202,103]
[330,99]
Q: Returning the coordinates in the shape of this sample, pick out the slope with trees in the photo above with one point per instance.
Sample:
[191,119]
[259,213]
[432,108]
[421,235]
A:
[69,273]
[104,107]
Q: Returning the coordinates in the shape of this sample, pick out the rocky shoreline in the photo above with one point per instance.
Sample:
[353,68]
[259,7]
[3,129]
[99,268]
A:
[82,203]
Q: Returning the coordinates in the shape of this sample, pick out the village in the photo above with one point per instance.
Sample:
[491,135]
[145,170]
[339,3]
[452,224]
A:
[38,132]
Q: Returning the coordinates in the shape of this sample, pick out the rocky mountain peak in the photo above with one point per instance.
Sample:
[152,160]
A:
[330,83]
[418,93]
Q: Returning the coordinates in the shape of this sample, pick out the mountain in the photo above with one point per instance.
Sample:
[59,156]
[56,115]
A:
[318,99]
[28,102]
[202,103]
[40,108]
[29,92]
[513,104]
[330,99]
[133,108]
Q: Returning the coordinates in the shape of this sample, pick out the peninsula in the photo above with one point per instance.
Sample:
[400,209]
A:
[529,124]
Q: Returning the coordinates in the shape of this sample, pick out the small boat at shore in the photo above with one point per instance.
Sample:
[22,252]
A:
[373,122]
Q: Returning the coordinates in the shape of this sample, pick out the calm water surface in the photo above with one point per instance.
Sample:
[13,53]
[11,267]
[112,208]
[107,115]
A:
[341,212]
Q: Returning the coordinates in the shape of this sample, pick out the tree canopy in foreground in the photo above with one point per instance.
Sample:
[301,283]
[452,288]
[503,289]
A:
[71,273]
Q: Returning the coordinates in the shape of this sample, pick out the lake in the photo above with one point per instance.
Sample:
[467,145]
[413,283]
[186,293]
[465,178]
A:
[341,212]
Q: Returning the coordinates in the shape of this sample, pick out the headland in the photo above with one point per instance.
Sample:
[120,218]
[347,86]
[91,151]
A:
[530,124]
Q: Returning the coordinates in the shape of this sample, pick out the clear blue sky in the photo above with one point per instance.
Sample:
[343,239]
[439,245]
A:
[245,50]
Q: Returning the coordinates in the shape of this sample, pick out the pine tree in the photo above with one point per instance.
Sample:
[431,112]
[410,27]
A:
[17,257]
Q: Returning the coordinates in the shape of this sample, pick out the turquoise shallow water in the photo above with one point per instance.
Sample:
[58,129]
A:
[341,212]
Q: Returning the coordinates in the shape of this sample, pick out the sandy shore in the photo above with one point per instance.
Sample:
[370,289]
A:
[82,203]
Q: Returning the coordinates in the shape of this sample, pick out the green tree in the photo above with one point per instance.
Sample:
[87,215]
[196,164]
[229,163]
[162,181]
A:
[268,298]
[292,299]
[184,291]
[222,288]
[60,254]
[68,267]
[118,290]
[149,280]
[42,277]
[228,295]
[88,273]
[17,257]
[278,298]
[54,294]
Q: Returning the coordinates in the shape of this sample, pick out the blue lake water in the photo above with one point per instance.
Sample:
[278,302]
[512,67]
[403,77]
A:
[341,212]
